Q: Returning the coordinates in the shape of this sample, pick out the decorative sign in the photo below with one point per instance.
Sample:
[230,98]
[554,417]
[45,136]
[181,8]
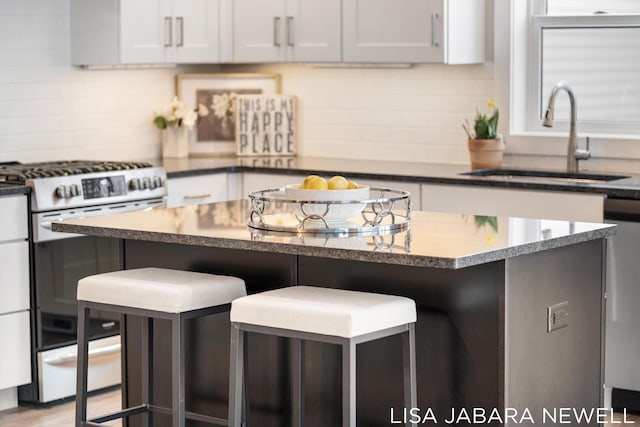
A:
[266,125]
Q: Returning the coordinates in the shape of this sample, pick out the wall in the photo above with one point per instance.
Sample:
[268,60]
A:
[404,114]
[50,110]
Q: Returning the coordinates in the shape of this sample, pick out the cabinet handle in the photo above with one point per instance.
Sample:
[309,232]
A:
[180,31]
[196,196]
[290,31]
[168,29]
[276,31]
[434,18]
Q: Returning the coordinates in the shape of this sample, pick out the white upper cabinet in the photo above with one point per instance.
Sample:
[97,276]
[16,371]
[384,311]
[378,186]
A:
[107,32]
[286,30]
[413,31]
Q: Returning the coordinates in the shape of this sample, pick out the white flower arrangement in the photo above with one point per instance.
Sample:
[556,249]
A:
[176,114]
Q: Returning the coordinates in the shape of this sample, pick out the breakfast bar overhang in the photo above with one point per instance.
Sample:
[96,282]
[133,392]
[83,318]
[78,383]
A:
[510,313]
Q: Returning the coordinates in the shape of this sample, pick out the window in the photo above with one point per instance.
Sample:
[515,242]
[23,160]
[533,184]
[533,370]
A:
[594,46]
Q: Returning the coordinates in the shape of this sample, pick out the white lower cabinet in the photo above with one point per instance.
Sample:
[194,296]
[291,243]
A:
[412,187]
[15,335]
[513,202]
[14,280]
[262,181]
[199,189]
[15,359]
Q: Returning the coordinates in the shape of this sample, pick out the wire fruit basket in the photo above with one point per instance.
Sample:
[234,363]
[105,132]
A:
[384,211]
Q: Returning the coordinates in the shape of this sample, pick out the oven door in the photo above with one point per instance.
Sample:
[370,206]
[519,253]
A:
[58,265]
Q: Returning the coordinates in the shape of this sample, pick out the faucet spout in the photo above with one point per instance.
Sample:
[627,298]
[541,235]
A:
[573,153]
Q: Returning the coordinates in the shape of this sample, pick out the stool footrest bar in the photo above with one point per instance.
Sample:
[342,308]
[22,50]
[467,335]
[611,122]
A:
[121,414]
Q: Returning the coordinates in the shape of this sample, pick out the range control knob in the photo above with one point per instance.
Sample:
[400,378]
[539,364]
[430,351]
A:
[157,182]
[146,183]
[74,190]
[62,191]
[134,184]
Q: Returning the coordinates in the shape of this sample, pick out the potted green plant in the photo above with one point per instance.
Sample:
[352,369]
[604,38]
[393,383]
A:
[486,145]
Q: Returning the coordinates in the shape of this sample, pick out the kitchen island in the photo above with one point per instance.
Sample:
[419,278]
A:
[483,286]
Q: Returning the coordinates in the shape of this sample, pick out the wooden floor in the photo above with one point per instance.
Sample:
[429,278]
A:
[63,415]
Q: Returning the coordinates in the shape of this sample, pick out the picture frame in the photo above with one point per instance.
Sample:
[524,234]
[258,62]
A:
[214,134]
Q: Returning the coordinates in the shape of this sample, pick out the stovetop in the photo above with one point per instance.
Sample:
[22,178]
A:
[18,173]
[85,183]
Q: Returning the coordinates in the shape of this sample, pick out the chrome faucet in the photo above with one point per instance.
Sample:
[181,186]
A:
[573,152]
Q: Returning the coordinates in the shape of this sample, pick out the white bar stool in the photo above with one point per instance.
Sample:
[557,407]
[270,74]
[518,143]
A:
[334,316]
[153,293]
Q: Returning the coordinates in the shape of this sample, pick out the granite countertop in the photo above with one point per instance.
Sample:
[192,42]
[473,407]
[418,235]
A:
[438,240]
[434,173]
[12,189]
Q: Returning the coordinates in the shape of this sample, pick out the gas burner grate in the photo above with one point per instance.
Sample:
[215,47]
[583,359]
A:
[19,173]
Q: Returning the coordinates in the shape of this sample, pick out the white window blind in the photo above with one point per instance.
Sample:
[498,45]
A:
[597,53]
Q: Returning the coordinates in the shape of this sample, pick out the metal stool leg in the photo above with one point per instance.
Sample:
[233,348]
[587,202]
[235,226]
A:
[177,351]
[83,361]
[147,368]
[409,368]
[297,382]
[349,384]
[236,374]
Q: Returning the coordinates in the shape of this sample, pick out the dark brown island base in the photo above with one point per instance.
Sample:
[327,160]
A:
[483,288]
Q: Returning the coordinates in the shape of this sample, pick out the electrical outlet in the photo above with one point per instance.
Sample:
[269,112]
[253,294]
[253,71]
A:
[557,316]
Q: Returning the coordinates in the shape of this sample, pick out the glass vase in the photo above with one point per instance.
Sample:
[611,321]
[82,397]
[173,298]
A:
[175,142]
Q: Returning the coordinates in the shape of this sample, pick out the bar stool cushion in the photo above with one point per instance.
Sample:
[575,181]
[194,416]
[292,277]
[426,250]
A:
[160,289]
[324,311]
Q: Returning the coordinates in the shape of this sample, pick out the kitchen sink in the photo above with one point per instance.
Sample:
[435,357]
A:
[540,175]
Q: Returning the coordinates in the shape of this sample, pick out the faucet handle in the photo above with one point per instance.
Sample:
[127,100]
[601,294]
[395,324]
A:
[583,153]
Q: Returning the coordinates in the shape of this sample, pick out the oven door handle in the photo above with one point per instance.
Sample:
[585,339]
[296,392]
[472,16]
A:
[46,225]
[73,357]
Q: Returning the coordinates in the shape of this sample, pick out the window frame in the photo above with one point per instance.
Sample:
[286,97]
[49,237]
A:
[518,59]
[535,95]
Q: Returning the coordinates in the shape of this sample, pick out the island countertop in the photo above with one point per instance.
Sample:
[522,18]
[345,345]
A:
[440,240]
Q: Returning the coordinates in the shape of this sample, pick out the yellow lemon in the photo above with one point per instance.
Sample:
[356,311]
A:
[338,183]
[317,183]
[305,184]
[352,185]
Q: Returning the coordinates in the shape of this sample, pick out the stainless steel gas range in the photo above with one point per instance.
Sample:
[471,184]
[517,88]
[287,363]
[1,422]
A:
[67,190]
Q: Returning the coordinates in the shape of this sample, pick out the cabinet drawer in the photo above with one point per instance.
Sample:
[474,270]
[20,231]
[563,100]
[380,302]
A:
[13,217]
[15,360]
[196,190]
[14,280]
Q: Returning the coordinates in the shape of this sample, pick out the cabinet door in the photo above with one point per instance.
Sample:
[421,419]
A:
[195,190]
[258,30]
[196,26]
[13,217]
[392,31]
[262,181]
[14,280]
[15,359]
[147,31]
[513,203]
[313,30]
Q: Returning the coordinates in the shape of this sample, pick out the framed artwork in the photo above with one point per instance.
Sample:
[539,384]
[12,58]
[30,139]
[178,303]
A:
[266,125]
[214,134]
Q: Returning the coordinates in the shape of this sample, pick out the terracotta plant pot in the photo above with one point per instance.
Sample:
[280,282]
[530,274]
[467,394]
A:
[486,153]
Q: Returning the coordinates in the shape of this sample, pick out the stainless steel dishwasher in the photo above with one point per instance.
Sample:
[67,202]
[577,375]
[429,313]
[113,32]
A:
[622,361]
